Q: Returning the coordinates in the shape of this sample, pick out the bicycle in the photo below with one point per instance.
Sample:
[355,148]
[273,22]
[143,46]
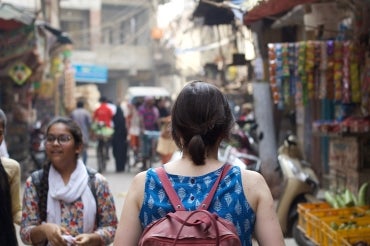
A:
[148,147]
[103,135]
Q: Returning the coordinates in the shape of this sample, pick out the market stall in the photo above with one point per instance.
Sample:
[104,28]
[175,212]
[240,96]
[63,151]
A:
[335,74]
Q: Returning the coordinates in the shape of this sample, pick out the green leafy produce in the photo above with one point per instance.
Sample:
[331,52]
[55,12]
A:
[346,198]
[331,199]
[354,198]
[334,226]
[362,194]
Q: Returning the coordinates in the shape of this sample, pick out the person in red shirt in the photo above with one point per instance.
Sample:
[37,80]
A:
[103,113]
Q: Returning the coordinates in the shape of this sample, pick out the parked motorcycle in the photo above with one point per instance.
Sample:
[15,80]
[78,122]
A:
[37,147]
[245,138]
[300,185]
[230,154]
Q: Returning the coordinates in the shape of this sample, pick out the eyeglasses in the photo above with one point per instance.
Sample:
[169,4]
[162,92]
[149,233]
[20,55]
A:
[62,139]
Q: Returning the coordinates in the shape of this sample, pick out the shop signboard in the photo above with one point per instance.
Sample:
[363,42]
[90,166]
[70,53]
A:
[19,72]
[90,73]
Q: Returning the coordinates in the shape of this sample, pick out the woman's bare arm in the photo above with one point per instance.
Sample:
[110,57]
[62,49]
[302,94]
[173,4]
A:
[267,228]
[129,226]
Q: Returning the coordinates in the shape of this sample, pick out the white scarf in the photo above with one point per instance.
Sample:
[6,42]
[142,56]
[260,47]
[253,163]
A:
[76,187]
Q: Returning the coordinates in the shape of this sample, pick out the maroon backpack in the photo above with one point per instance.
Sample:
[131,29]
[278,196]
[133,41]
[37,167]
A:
[184,227]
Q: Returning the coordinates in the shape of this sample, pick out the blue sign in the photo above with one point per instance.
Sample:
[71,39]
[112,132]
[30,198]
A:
[90,73]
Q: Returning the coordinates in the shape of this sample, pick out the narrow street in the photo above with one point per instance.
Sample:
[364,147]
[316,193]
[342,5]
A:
[119,184]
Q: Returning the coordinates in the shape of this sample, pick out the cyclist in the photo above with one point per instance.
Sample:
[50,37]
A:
[149,117]
[104,113]
[103,130]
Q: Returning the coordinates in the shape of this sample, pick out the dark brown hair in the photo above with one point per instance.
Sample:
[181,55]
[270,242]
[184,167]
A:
[201,118]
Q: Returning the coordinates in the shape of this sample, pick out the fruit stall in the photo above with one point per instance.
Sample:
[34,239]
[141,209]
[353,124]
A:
[343,219]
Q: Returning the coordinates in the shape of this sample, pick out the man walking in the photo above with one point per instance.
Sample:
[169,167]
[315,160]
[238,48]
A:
[83,119]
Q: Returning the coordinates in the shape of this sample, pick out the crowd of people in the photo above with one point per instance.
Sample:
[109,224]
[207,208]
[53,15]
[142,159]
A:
[143,129]
[68,203]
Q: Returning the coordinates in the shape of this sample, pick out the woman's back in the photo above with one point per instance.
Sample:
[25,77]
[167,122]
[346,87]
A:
[229,201]
[201,118]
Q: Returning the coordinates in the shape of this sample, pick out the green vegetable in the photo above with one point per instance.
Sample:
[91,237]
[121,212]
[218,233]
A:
[334,226]
[330,198]
[362,194]
[348,201]
[354,198]
[340,200]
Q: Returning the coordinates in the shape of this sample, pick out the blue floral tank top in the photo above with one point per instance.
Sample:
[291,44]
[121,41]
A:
[228,202]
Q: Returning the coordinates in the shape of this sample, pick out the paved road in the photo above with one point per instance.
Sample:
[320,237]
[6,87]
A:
[120,182]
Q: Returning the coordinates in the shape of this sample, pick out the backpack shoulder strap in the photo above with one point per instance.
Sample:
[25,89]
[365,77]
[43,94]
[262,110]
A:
[205,204]
[91,182]
[174,199]
[167,186]
[91,172]
[36,180]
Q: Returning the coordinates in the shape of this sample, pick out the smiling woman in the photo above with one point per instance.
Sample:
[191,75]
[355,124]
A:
[61,200]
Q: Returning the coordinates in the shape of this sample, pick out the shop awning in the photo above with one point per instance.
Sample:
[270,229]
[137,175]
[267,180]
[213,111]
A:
[22,35]
[271,8]
[214,12]
[291,18]
[12,17]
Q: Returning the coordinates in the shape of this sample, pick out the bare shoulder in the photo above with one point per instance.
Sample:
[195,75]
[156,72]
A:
[254,186]
[139,179]
[136,190]
[252,178]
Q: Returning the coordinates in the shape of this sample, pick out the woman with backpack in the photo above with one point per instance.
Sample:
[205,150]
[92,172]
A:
[201,119]
[67,203]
